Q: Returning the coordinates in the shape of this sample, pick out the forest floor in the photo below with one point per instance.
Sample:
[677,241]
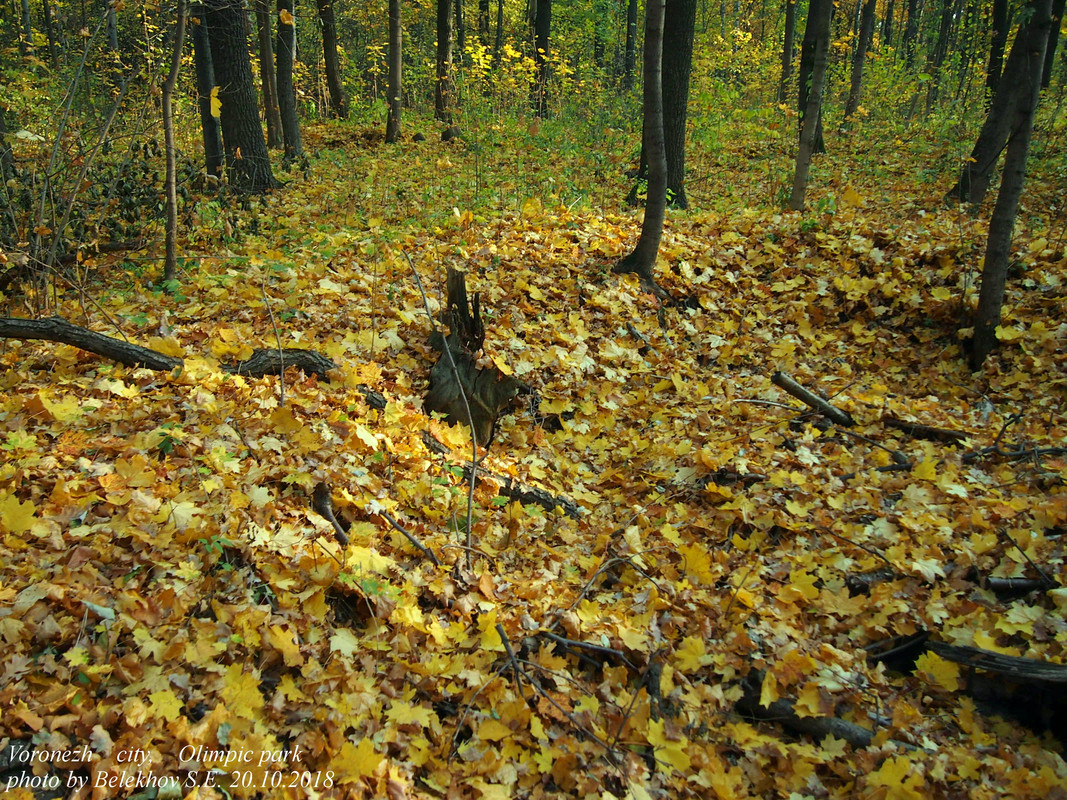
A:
[170,601]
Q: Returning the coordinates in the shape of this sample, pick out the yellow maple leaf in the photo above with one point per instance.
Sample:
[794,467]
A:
[691,654]
[667,750]
[165,705]
[284,640]
[939,671]
[15,517]
[353,762]
[897,777]
[285,17]
[493,730]
[241,692]
[216,102]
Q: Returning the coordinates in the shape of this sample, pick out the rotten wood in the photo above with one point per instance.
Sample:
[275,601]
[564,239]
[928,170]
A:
[832,413]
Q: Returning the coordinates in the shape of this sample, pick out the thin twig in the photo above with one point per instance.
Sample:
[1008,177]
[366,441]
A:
[277,338]
[466,407]
[410,537]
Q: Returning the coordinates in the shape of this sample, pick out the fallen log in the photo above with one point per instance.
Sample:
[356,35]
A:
[834,414]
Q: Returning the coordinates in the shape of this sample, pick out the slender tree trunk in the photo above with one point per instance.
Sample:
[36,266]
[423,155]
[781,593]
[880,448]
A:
[50,32]
[911,31]
[170,259]
[788,49]
[284,57]
[7,159]
[642,260]
[542,29]
[887,24]
[483,22]
[442,87]
[630,57]
[940,52]
[26,39]
[1001,22]
[392,125]
[819,14]
[679,24]
[461,32]
[498,42]
[977,173]
[806,79]
[112,28]
[205,84]
[247,160]
[859,57]
[1002,223]
[338,101]
[267,76]
[1053,42]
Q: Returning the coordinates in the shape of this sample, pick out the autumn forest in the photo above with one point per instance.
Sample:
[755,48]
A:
[492,399]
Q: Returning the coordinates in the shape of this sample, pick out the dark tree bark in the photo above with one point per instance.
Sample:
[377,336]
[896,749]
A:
[50,32]
[498,42]
[1035,31]
[788,49]
[170,259]
[1053,42]
[396,36]
[679,24]
[911,30]
[817,10]
[859,56]
[284,57]
[442,87]
[268,79]
[26,37]
[887,24]
[338,101]
[630,56]
[205,83]
[1012,91]
[483,22]
[940,52]
[247,160]
[819,13]
[112,28]
[1001,21]
[542,22]
[461,32]
[7,160]
[642,260]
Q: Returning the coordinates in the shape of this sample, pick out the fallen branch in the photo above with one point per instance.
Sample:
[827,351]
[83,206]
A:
[927,432]
[56,329]
[834,414]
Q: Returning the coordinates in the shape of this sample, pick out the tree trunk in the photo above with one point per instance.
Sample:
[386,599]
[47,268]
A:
[887,24]
[461,32]
[50,32]
[859,57]
[170,259]
[542,28]
[1001,21]
[998,248]
[679,24]
[7,160]
[940,52]
[911,31]
[977,172]
[442,87]
[630,57]
[205,83]
[112,27]
[267,76]
[788,48]
[498,42]
[247,159]
[483,22]
[26,38]
[1053,42]
[338,101]
[817,9]
[286,53]
[643,259]
[818,23]
[396,36]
